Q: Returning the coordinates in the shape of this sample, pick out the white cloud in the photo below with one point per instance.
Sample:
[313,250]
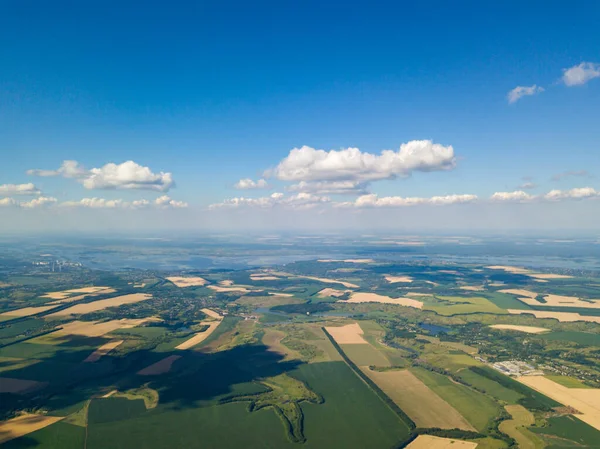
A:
[128,175]
[575,194]
[8,202]
[38,202]
[373,200]
[301,200]
[522,91]
[248,184]
[19,189]
[165,201]
[516,196]
[351,164]
[571,173]
[162,202]
[527,186]
[329,187]
[580,74]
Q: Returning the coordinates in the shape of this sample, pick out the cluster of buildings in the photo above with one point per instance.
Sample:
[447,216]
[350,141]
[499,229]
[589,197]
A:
[516,368]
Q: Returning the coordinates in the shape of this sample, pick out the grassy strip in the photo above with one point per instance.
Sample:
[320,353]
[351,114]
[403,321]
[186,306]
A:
[384,397]
[28,337]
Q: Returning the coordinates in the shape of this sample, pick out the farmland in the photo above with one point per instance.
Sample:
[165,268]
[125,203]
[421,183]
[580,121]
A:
[351,351]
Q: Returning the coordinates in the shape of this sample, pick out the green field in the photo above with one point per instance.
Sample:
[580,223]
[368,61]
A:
[114,409]
[365,355]
[489,386]
[582,338]
[569,428]
[456,305]
[475,407]
[57,436]
[352,416]
[569,382]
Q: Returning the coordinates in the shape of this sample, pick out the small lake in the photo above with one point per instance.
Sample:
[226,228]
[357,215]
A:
[434,329]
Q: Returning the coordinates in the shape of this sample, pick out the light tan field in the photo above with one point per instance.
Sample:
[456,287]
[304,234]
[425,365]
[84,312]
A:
[96,329]
[263,277]
[187,281]
[374,297]
[472,288]
[520,292]
[103,350]
[449,272]
[528,297]
[201,336]
[86,291]
[226,282]
[431,442]
[517,427]
[26,311]
[332,292]
[420,403]
[102,304]
[85,295]
[347,260]
[563,317]
[212,314]
[19,386]
[287,295]
[160,367]
[394,279]
[330,281]
[544,276]
[220,289]
[416,294]
[350,334]
[514,270]
[23,425]
[585,400]
[527,329]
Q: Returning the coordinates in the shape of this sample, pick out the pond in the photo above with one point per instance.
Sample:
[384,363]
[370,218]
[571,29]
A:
[434,329]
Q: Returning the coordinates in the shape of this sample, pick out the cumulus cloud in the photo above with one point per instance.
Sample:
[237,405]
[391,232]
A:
[373,200]
[575,194]
[516,196]
[249,184]
[38,202]
[300,200]
[523,91]
[162,202]
[580,74]
[8,202]
[19,189]
[128,175]
[351,164]
[571,173]
[329,187]
[527,186]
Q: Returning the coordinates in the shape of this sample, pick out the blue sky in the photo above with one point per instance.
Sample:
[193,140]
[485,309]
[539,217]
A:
[215,92]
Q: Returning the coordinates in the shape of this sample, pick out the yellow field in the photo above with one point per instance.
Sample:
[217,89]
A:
[19,386]
[431,442]
[96,329]
[528,297]
[160,367]
[549,276]
[565,317]
[374,297]
[420,403]
[394,279]
[23,425]
[212,314]
[347,260]
[347,335]
[102,304]
[517,427]
[26,311]
[85,291]
[585,400]
[527,329]
[472,288]
[187,281]
[537,276]
[103,350]
[330,281]
[263,277]
[508,269]
[220,289]
[200,336]
[332,292]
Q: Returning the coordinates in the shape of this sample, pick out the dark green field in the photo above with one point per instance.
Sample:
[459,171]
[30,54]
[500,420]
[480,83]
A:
[57,436]
[570,428]
[582,338]
[489,386]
